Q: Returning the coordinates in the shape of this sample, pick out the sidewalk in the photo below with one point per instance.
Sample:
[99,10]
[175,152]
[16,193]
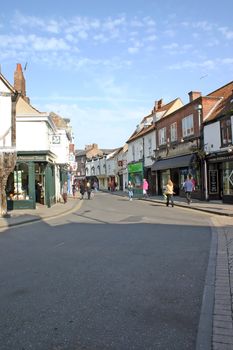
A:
[17,217]
[214,207]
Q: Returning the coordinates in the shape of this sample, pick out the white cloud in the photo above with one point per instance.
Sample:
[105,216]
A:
[207,64]
[228,34]
[133,50]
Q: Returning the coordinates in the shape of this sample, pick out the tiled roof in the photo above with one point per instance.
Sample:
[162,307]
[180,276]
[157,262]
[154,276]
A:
[148,128]
[225,104]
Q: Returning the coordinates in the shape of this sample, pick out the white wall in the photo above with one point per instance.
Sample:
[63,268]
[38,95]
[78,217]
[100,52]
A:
[5,116]
[138,147]
[32,136]
[60,149]
[149,147]
[212,137]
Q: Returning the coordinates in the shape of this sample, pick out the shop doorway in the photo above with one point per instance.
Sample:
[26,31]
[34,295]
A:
[176,180]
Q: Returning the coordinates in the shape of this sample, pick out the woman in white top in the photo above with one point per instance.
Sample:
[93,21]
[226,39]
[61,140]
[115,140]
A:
[169,193]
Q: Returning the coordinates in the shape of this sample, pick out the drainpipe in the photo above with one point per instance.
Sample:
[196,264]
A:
[205,181]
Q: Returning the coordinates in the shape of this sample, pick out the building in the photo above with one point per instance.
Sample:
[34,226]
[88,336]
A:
[8,100]
[218,146]
[143,143]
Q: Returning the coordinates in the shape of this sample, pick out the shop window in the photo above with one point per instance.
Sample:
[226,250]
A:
[226,133]
[196,177]
[17,183]
[228,179]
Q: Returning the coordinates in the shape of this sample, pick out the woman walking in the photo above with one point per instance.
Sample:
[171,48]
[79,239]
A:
[130,190]
[169,193]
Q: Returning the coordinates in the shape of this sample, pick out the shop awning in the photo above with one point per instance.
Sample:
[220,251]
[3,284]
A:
[170,163]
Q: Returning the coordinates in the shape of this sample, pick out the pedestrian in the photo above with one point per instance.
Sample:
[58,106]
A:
[188,188]
[64,192]
[74,189]
[82,190]
[95,186]
[145,186]
[88,190]
[130,190]
[169,193]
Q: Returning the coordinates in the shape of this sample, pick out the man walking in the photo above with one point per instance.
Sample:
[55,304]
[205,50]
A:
[188,188]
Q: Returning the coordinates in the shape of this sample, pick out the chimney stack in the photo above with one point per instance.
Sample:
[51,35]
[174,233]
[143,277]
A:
[19,82]
[193,95]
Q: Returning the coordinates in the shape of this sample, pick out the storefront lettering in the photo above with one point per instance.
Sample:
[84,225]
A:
[213,181]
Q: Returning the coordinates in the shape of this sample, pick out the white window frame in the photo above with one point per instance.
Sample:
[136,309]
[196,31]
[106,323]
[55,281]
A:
[149,146]
[173,132]
[162,136]
[187,126]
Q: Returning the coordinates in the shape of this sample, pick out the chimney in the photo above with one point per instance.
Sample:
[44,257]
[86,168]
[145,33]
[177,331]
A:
[19,82]
[160,103]
[193,95]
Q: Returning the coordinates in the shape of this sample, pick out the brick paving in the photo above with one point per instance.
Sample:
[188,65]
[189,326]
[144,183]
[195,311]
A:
[222,337]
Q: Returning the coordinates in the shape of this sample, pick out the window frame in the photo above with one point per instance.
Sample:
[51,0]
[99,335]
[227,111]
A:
[188,124]
[162,136]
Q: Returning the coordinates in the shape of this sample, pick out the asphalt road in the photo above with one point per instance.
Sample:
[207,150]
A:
[114,275]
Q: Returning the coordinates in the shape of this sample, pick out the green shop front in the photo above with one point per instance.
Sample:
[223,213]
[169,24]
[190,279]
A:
[136,174]
[32,181]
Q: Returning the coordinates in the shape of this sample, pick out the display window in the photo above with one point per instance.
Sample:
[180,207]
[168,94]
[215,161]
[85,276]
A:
[136,179]
[17,183]
[228,178]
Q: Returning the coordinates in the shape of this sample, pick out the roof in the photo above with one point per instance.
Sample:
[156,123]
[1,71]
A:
[224,103]
[145,129]
[6,82]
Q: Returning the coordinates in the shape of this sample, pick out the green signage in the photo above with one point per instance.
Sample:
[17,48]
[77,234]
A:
[135,168]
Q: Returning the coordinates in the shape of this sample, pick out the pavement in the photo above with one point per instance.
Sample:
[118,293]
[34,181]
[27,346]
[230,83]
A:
[217,303]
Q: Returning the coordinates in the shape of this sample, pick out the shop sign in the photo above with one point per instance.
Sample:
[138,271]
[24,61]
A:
[213,181]
[135,168]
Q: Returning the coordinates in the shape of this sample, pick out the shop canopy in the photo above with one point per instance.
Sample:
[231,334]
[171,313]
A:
[170,163]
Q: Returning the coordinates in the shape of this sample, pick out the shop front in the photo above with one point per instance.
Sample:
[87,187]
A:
[177,169]
[32,181]
[220,177]
[136,174]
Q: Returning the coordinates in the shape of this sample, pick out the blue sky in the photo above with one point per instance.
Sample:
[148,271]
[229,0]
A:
[104,63]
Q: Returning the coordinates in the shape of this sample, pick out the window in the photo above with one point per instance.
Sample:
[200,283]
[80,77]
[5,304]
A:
[133,152]
[162,136]
[187,126]
[17,183]
[173,131]
[226,134]
[149,147]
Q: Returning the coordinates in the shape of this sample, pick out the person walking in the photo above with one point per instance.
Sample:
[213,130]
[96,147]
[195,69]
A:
[88,190]
[169,193]
[130,191]
[64,192]
[82,190]
[74,189]
[145,186]
[188,188]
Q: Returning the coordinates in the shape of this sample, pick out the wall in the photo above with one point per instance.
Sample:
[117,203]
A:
[5,114]
[32,136]
[212,137]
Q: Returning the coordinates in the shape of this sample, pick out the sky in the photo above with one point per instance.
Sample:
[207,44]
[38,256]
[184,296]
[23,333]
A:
[104,63]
